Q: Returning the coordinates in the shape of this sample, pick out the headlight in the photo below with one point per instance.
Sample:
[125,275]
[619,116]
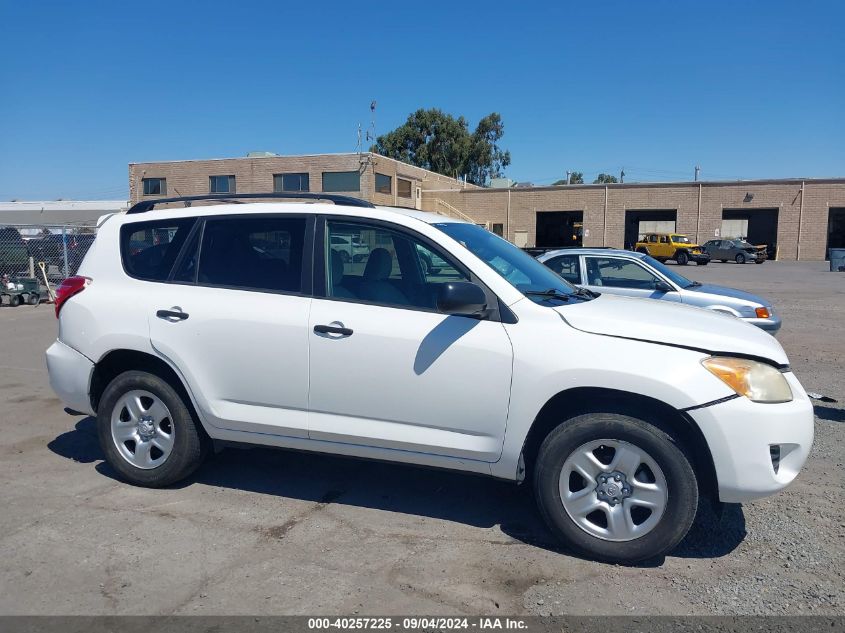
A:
[756,381]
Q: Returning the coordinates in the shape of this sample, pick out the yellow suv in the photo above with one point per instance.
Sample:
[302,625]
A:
[663,246]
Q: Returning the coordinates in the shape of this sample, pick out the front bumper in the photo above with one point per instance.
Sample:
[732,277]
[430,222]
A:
[698,258]
[741,434]
[770,325]
[70,376]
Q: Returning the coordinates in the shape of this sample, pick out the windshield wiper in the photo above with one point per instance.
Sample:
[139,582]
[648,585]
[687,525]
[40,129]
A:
[586,292]
[551,293]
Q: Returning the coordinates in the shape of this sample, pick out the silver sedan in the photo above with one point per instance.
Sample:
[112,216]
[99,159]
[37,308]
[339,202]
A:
[639,275]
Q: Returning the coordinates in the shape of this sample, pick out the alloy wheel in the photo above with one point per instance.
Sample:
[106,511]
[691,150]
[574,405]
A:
[613,490]
[142,429]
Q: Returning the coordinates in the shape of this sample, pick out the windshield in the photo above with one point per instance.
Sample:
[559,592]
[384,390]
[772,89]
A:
[679,280]
[521,270]
[680,239]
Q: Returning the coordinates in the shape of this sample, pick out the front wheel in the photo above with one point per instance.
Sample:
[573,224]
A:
[615,487]
[740,258]
[147,431]
[682,258]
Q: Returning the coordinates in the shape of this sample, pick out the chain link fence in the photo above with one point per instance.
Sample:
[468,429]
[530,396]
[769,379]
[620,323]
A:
[34,259]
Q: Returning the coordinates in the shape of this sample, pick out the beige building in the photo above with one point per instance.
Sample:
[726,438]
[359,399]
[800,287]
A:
[796,218]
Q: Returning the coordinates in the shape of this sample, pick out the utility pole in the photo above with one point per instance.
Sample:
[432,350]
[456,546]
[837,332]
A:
[622,175]
[568,176]
[697,172]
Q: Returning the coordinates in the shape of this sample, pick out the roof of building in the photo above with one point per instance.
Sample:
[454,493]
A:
[57,211]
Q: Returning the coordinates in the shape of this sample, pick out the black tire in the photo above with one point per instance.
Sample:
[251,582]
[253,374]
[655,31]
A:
[15,300]
[33,299]
[682,258]
[670,456]
[740,258]
[189,444]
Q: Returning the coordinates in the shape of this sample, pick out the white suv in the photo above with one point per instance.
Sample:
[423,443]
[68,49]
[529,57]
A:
[190,327]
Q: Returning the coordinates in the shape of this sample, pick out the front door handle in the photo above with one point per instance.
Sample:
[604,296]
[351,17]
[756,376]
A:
[332,329]
[173,314]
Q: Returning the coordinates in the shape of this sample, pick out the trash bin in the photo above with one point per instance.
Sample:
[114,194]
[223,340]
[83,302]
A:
[837,259]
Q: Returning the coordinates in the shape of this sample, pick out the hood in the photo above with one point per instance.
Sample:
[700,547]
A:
[724,291]
[673,324]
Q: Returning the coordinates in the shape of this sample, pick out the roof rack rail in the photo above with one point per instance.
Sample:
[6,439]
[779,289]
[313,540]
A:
[349,201]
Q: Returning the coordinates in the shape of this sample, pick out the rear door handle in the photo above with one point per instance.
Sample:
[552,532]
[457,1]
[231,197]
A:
[332,329]
[173,314]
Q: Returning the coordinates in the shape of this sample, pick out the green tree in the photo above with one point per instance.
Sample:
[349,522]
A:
[575,178]
[435,140]
[604,179]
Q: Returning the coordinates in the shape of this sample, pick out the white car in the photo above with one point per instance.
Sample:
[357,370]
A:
[180,333]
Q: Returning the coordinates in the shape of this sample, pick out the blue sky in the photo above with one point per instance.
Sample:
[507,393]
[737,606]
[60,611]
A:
[744,89]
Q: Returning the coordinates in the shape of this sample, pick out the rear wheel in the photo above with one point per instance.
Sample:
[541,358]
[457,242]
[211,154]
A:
[15,300]
[682,258]
[615,487]
[33,300]
[740,258]
[147,432]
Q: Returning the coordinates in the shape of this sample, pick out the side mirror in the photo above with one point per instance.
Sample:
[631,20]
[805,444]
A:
[663,286]
[461,298]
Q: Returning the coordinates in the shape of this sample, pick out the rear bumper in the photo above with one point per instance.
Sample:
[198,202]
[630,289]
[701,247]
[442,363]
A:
[70,376]
[741,434]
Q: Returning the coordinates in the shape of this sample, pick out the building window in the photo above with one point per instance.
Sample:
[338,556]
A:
[341,181]
[384,183]
[154,186]
[290,182]
[403,188]
[499,229]
[221,184]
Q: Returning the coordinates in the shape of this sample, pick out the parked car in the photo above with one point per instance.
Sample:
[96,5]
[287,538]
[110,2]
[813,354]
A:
[738,250]
[14,259]
[620,412]
[52,249]
[639,275]
[665,246]
[350,247]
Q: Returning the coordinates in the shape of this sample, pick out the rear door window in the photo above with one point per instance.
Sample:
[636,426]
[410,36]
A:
[567,266]
[149,249]
[263,253]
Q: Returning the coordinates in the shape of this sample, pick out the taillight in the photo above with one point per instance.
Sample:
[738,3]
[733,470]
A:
[69,287]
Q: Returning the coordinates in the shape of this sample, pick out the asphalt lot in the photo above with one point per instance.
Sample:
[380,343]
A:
[273,532]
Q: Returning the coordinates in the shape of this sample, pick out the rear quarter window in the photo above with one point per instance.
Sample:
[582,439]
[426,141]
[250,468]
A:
[149,249]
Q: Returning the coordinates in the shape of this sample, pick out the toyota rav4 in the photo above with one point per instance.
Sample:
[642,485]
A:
[193,327]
